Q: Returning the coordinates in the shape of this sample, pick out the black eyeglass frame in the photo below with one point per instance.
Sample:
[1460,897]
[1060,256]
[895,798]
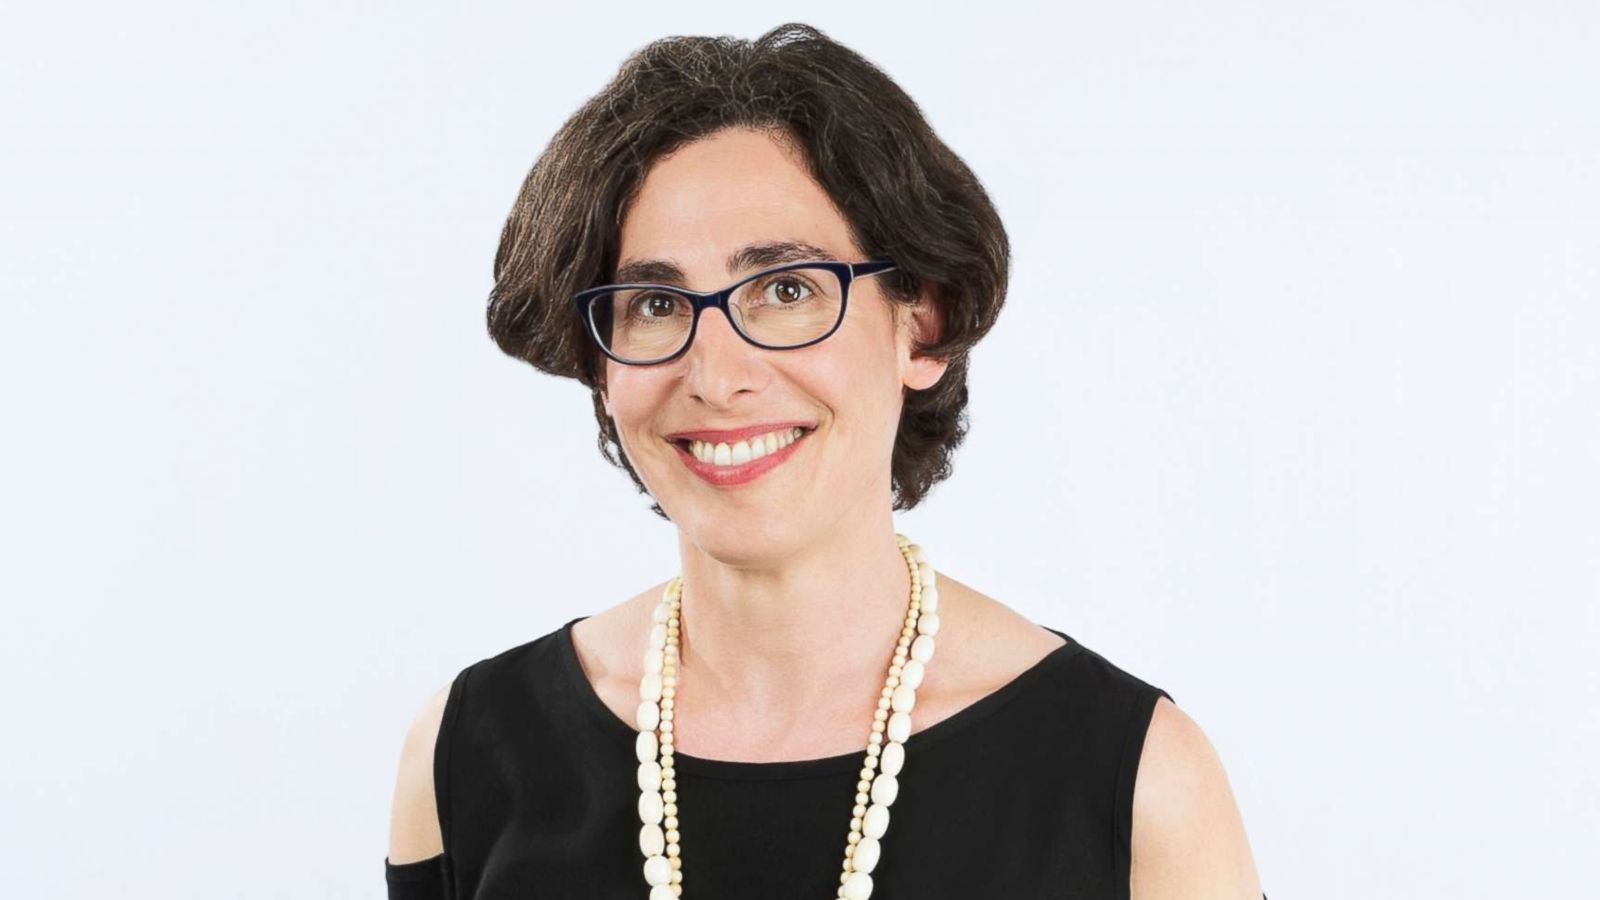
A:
[846,271]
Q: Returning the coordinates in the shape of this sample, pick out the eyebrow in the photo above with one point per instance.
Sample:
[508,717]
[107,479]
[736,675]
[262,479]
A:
[758,255]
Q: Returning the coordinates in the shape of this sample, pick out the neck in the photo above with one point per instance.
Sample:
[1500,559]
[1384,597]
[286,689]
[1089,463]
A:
[784,634]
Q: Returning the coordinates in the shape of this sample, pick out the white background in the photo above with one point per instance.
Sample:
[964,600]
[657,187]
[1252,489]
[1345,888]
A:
[1291,411]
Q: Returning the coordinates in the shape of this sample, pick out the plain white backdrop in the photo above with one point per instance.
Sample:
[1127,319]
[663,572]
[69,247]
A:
[1293,410]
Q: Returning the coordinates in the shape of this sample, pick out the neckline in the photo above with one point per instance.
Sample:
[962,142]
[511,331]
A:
[744,770]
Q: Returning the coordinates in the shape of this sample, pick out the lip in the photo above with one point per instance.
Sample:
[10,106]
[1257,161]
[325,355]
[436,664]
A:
[734,435]
[727,476]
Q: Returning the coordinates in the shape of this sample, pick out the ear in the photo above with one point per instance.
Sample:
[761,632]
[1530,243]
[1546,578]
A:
[917,326]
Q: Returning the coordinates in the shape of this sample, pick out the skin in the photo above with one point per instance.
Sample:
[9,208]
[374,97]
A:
[795,590]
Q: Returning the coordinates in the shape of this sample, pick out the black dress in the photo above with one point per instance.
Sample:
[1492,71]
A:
[1025,793]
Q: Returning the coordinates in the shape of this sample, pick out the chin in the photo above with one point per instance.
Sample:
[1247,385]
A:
[737,541]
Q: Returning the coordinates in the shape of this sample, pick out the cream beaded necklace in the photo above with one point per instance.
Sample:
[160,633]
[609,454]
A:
[658,797]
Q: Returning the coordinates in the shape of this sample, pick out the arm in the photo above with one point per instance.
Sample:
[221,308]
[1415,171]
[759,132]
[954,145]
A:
[1188,837]
[414,820]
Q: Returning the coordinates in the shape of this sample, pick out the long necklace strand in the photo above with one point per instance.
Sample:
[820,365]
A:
[658,797]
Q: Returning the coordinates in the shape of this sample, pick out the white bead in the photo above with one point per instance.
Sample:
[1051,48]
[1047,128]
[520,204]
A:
[899,728]
[892,758]
[922,648]
[662,892]
[645,746]
[911,674]
[903,700]
[661,613]
[658,636]
[653,660]
[876,821]
[651,807]
[865,857]
[857,887]
[657,870]
[928,623]
[652,840]
[930,598]
[648,716]
[650,775]
[885,788]
[650,685]
[917,553]
[928,577]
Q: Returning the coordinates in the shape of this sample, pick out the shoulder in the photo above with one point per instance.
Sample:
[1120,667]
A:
[416,824]
[1188,836]
[607,642]
[414,832]
[983,643]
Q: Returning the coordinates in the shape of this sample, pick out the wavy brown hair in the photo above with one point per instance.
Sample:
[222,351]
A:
[904,194]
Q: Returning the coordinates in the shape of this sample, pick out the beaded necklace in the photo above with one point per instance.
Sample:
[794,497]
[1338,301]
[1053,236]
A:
[875,791]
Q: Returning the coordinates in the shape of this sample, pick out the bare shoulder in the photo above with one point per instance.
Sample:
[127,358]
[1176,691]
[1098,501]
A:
[414,832]
[607,642]
[1188,836]
[988,628]
[983,643]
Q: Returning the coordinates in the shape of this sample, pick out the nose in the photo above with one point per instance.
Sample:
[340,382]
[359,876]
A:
[720,361]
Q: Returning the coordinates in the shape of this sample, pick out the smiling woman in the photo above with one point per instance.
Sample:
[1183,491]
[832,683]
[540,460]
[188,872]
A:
[847,143]
[770,272]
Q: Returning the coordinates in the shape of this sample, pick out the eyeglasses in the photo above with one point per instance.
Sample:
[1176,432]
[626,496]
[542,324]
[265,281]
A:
[782,308]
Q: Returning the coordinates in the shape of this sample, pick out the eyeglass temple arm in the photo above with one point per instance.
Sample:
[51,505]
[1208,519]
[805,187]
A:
[873,267]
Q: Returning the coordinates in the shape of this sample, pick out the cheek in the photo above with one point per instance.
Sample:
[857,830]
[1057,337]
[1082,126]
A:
[860,387]
[633,402]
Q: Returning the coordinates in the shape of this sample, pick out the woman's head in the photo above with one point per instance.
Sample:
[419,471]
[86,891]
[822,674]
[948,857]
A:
[700,147]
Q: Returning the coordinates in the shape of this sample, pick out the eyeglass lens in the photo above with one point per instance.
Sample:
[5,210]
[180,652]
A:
[784,309]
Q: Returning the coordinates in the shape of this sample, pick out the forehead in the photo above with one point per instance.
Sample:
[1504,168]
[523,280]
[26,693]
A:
[735,188]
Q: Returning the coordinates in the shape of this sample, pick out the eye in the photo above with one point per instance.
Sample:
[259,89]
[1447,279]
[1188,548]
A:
[655,305]
[787,290]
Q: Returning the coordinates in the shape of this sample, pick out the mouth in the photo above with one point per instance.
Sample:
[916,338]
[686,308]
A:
[725,464]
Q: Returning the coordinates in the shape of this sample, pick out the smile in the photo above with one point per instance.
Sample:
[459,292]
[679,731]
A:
[724,464]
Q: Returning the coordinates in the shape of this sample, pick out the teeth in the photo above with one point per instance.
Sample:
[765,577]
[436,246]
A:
[740,452]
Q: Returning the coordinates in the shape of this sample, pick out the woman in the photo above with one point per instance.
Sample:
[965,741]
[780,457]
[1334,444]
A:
[769,272]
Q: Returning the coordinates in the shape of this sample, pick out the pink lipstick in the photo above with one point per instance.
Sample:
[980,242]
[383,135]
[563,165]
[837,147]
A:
[728,476]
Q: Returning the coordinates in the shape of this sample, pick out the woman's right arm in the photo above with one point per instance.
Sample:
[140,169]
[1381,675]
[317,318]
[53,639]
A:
[414,819]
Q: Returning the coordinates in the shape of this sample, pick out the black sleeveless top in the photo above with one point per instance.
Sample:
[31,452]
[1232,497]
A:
[1027,792]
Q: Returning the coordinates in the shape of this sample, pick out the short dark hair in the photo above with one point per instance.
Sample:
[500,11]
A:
[905,195]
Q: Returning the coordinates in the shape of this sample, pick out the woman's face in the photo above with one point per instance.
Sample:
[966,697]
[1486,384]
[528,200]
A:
[694,210]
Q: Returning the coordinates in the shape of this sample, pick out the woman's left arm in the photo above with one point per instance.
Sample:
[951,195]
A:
[1188,837]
